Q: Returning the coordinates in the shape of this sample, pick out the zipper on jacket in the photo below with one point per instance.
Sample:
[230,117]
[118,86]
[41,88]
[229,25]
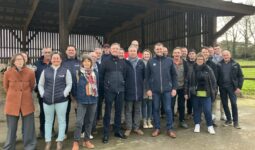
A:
[135,83]
[160,73]
[53,90]
[117,74]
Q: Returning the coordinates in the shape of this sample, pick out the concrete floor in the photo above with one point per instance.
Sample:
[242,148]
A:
[226,138]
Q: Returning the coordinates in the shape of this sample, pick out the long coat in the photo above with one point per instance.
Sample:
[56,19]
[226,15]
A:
[19,86]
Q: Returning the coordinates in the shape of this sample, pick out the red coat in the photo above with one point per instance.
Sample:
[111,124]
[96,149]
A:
[19,87]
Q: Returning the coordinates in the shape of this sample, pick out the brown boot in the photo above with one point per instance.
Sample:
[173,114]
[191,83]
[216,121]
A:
[59,145]
[75,146]
[47,146]
[155,133]
[88,145]
[171,134]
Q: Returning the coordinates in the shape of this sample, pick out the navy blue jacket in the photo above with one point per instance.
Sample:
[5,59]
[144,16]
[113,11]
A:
[113,74]
[54,89]
[236,74]
[81,95]
[161,74]
[73,65]
[134,81]
[40,66]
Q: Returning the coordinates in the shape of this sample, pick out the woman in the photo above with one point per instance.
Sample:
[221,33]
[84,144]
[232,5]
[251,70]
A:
[54,86]
[19,82]
[86,98]
[147,101]
[201,85]
[27,61]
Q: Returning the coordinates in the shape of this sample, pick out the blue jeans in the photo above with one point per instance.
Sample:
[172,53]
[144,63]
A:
[146,109]
[205,104]
[118,100]
[226,92]
[49,111]
[181,104]
[166,99]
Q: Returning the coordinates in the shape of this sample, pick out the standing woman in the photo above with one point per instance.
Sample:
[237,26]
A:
[54,86]
[86,97]
[147,100]
[19,82]
[201,85]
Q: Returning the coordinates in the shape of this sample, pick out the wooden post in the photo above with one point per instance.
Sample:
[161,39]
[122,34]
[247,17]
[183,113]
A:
[63,25]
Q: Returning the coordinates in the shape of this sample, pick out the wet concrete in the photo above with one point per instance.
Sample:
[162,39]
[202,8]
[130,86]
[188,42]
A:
[226,138]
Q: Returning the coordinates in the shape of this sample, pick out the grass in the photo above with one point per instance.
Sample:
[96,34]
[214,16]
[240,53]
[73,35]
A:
[249,85]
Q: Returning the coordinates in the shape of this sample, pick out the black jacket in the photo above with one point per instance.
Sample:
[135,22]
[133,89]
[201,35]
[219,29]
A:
[134,81]
[211,64]
[236,74]
[192,82]
[161,74]
[113,74]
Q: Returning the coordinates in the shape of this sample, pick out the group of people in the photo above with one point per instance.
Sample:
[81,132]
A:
[142,89]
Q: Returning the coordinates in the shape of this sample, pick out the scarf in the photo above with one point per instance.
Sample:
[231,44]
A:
[91,86]
[133,61]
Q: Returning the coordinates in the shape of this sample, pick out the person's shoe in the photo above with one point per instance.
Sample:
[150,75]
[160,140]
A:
[105,139]
[184,125]
[171,133]
[149,124]
[47,146]
[88,145]
[127,133]
[91,137]
[197,128]
[139,132]
[223,118]
[211,130]
[82,135]
[155,133]
[236,125]
[59,145]
[120,135]
[145,125]
[75,146]
[228,123]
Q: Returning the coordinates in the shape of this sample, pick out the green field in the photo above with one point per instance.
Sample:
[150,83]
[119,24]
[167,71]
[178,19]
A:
[249,85]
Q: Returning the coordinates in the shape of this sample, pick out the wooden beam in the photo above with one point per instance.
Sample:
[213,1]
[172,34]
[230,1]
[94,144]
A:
[31,14]
[218,5]
[74,13]
[226,27]
[63,25]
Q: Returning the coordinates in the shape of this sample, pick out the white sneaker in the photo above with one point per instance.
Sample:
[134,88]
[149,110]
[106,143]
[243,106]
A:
[197,128]
[211,130]
[82,135]
[145,125]
[150,126]
[91,137]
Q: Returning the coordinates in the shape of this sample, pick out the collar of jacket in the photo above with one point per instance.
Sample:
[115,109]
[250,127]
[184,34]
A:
[115,58]
[160,57]
[232,61]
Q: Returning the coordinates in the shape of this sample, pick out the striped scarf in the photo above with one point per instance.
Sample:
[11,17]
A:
[91,86]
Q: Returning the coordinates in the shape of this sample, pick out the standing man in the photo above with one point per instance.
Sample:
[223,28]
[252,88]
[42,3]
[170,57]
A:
[161,82]
[99,53]
[41,64]
[230,84]
[134,91]
[181,70]
[184,52]
[106,52]
[113,74]
[73,65]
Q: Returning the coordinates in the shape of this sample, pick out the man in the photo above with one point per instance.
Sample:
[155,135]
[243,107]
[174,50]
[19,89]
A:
[73,65]
[113,73]
[99,53]
[211,51]
[230,84]
[217,54]
[165,51]
[161,82]
[41,64]
[106,52]
[190,63]
[134,91]
[121,53]
[181,70]
[136,44]
[213,66]
[184,52]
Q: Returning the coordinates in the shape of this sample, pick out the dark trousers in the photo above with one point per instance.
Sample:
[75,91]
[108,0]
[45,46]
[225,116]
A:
[117,98]
[67,113]
[226,92]
[28,126]
[202,104]
[42,117]
[181,104]
[156,97]
[189,106]
[100,105]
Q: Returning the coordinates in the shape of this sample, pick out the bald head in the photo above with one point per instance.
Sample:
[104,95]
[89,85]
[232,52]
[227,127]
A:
[226,55]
